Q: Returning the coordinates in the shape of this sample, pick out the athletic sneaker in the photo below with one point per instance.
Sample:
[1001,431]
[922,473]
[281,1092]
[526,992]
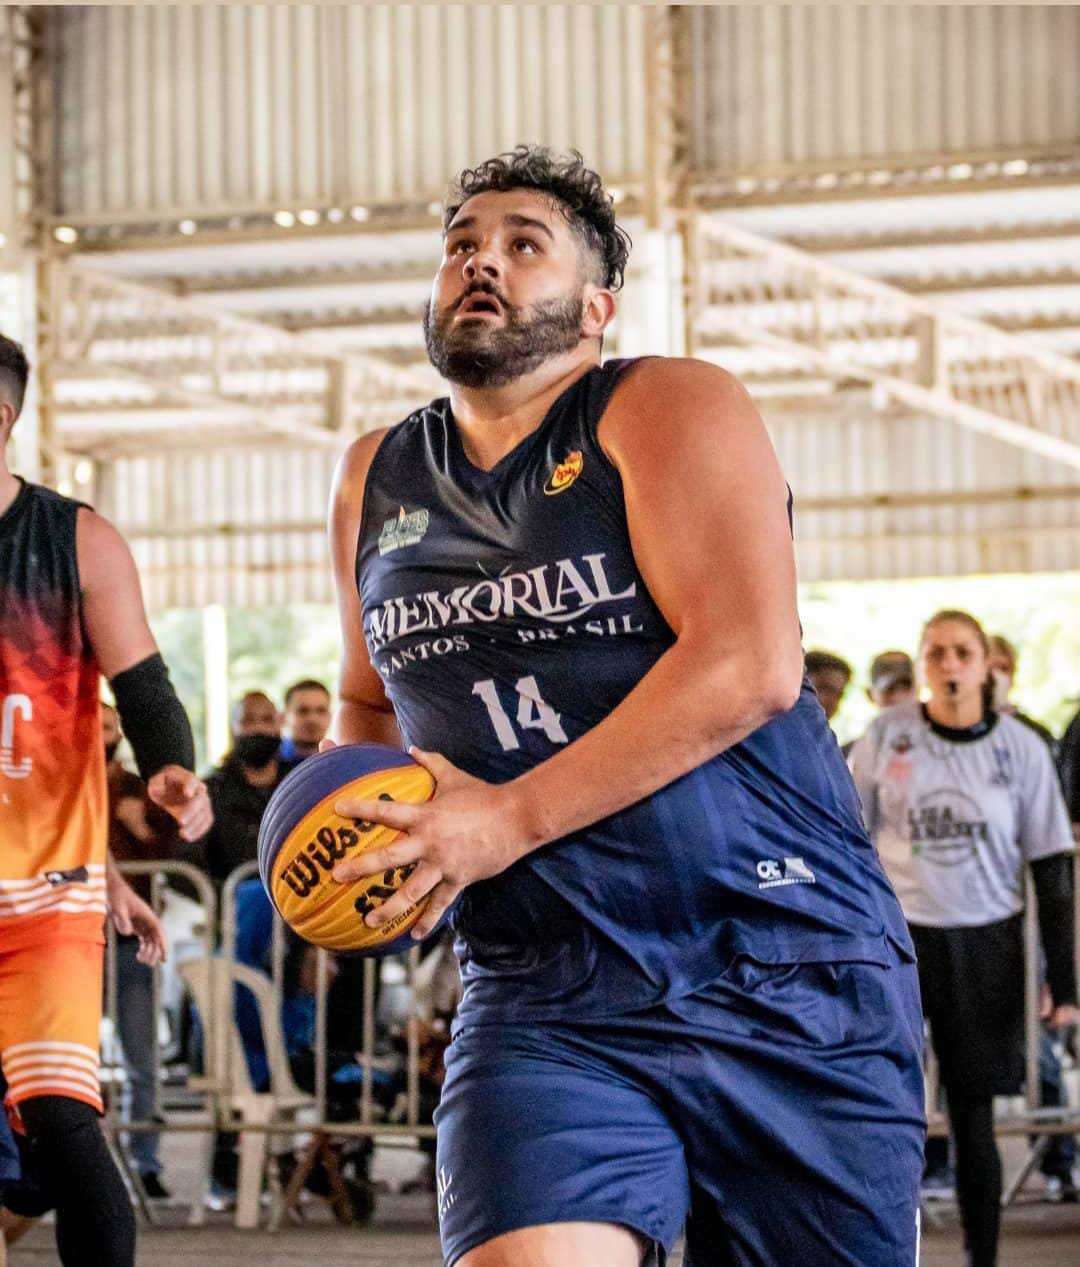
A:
[1063,1187]
[219,1198]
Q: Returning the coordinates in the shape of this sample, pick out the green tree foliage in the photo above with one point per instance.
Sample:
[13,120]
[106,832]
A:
[1040,614]
[268,651]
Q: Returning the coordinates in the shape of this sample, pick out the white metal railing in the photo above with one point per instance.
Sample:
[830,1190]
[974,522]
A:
[229,1101]
[227,1095]
[124,346]
[751,291]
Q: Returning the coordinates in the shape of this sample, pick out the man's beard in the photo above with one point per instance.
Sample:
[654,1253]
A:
[476,354]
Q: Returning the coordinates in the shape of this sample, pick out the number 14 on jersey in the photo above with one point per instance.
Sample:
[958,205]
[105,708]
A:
[533,712]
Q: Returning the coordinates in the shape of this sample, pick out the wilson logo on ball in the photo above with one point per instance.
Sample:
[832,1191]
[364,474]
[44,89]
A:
[302,840]
[326,851]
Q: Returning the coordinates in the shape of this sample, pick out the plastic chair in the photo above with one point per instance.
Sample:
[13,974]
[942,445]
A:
[211,983]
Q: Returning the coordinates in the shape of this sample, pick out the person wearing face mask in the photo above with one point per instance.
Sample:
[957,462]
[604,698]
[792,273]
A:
[958,800]
[1002,662]
[240,788]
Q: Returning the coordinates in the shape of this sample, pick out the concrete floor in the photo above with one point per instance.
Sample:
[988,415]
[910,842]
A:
[402,1235]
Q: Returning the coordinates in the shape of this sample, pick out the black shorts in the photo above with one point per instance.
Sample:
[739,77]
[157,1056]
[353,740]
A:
[972,982]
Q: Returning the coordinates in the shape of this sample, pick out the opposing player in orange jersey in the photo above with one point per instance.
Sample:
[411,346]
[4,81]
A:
[70,610]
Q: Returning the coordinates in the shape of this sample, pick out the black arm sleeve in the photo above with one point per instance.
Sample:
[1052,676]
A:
[1053,878]
[152,717]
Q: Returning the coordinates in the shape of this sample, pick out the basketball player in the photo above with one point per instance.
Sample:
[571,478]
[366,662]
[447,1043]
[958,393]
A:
[70,609]
[689,994]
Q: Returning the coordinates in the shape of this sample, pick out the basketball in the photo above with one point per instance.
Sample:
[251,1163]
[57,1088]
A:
[302,839]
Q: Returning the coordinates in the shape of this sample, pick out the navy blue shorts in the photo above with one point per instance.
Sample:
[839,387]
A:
[778,1116]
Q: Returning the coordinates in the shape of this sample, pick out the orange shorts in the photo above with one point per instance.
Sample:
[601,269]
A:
[50,1015]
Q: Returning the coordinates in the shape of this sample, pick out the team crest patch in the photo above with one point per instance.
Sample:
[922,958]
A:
[564,474]
[405,530]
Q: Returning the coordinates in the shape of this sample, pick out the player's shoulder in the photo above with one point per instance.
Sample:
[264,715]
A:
[651,381]
[664,404]
[96,533]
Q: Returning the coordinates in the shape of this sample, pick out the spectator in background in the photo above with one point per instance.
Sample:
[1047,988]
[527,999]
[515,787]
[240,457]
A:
[892,682]
[892,679]
[1002,662]
[241,787]
[307,719]
[138,831]
[959,803]
[829,675]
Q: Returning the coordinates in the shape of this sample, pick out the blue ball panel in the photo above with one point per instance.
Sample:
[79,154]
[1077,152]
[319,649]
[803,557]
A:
[311,782]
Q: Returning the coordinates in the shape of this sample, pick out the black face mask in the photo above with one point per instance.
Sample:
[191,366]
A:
[110,751]
[256,750]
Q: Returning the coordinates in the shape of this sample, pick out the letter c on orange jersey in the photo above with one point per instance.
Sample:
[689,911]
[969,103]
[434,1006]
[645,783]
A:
[14,705]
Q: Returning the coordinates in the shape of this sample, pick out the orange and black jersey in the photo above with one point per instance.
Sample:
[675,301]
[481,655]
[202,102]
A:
[52,770]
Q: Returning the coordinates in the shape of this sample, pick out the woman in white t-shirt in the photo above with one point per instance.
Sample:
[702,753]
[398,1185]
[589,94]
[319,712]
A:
[958,800]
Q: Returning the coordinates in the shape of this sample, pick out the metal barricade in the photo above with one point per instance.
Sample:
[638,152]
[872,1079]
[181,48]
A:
[210,976]
[1032,1119]
[288,1111]
[202,945]
[284,1109]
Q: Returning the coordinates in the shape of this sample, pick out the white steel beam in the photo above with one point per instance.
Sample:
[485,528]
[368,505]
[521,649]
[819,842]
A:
[962,370]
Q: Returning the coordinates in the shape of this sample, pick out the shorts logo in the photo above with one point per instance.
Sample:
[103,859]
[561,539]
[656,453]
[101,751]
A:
[405,530]
[564,474]
[442,1184]
[794,871]
[77,875]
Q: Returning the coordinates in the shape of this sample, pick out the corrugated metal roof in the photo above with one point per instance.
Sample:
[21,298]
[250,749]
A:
[777,85]
[175,108]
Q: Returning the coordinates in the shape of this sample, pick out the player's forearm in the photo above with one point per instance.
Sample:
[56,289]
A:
[114,880]
[686,710]
[357,722]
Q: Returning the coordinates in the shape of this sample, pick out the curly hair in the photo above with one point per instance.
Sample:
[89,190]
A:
[576,190]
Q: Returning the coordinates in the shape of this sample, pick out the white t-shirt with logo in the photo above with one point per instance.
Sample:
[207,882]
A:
[955,821]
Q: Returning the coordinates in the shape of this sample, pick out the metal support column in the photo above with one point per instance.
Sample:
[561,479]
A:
[661,259]
[38,89]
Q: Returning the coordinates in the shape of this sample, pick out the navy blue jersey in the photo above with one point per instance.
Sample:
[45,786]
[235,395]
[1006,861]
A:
[506,615]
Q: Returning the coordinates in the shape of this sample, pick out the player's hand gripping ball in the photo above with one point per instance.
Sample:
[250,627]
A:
[301,840]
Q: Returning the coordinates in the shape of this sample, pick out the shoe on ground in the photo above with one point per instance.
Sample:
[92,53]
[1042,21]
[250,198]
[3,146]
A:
[1063,1187]
[219,1199]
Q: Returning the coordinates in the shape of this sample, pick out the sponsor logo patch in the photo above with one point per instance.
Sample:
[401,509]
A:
[405,530]
[564,474]
[771,875]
